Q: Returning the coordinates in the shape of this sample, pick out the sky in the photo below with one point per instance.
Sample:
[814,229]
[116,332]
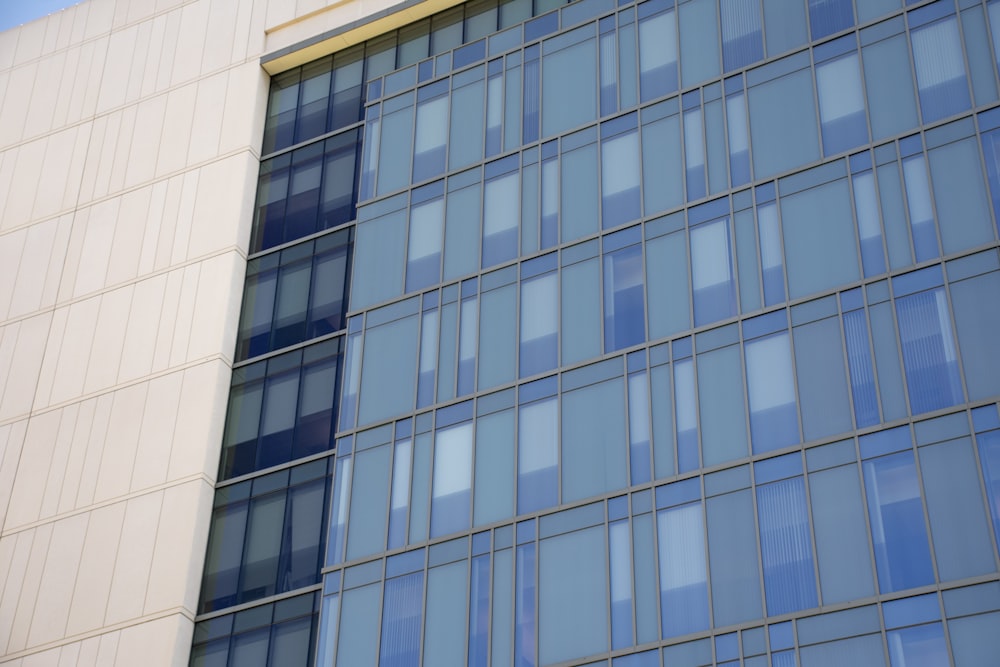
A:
[15,12]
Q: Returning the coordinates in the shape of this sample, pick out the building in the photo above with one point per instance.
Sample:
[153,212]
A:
[621,334]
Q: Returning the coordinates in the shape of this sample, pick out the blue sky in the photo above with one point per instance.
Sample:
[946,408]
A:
[16,12]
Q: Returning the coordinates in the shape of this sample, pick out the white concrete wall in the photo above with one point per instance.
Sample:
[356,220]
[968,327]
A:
[129,138]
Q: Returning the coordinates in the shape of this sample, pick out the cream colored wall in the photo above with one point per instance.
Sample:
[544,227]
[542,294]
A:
[129,138]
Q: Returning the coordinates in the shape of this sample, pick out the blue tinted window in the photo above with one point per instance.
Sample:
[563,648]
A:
[539,324]
[919,645]
[619,543]
[742,42]
[501,209]
[841,104]
[896,515]
[431,135]
[638,428]
[452,485]
[940,68]
[524,607]
[712,272]
[786,548]
[399,504]
[305,191]
[991,150]
[918,199]
[620,179]
[657,55]
[624,310]
[281,409]
[989,457]
[739,140]
[537,456]
[402,611]
[829,16]
[694,153]
[772,263]
[771,387]
[683,577]
[869,226]
[423,258]
[862,373]
[479,611]
[928,351]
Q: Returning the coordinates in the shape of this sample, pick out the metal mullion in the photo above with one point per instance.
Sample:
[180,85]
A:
[858,466]
[923,504]
[795,378]
[979,136]
[608,633]
[984,493]
[813,542]
[757,538]
[423,611]
[707,552]
[899,347]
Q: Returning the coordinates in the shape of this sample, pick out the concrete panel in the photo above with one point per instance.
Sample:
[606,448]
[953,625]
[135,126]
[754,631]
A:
[114,80]
[165,336]
[114,478]
[133,91]
[129,231]
[59,462]
[24,366]
[8,46]
[33,470]
[156,643]
[32,270]
[183,318]
[97,561]
[43,98]
[246,98]
[24,184]
[176,129]
[94,447]
[16,549]
[53,26]
[105,354]
[156,436]
[151,233]
[157,30]
[181,540]
[135,554]
[77,458]
[166,62]
[145,142]
[55,592]
[29,46]
[199,421]
[106,151]
[140,9]
[95,253]
[122,147]
[29,585]
[80,23]
[224,201]
[99,17]
[82,96]
[207,121]
[55,172]
[11,247]
[50,362]
[217,308]
[141,329]
[11,441]
[76,165]
[167,222]
[185,214]
[73,350]
[191,44]
[67,19]
[222,28]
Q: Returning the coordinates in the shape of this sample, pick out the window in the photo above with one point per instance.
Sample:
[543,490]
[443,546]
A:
[537,456]
[712,272]
[657,50]
[742,41]
[895,512]
[624,317]
[423,260]
[619,175]
[432,131]
[929,355]
[771,386]
[402,613]
[829,16]
[451,502]
[683,575]
[940,68]
[500,215]
[841,104]
[785,542]
[539,324]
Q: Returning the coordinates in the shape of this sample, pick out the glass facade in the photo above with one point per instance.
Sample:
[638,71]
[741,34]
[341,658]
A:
[622,334]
